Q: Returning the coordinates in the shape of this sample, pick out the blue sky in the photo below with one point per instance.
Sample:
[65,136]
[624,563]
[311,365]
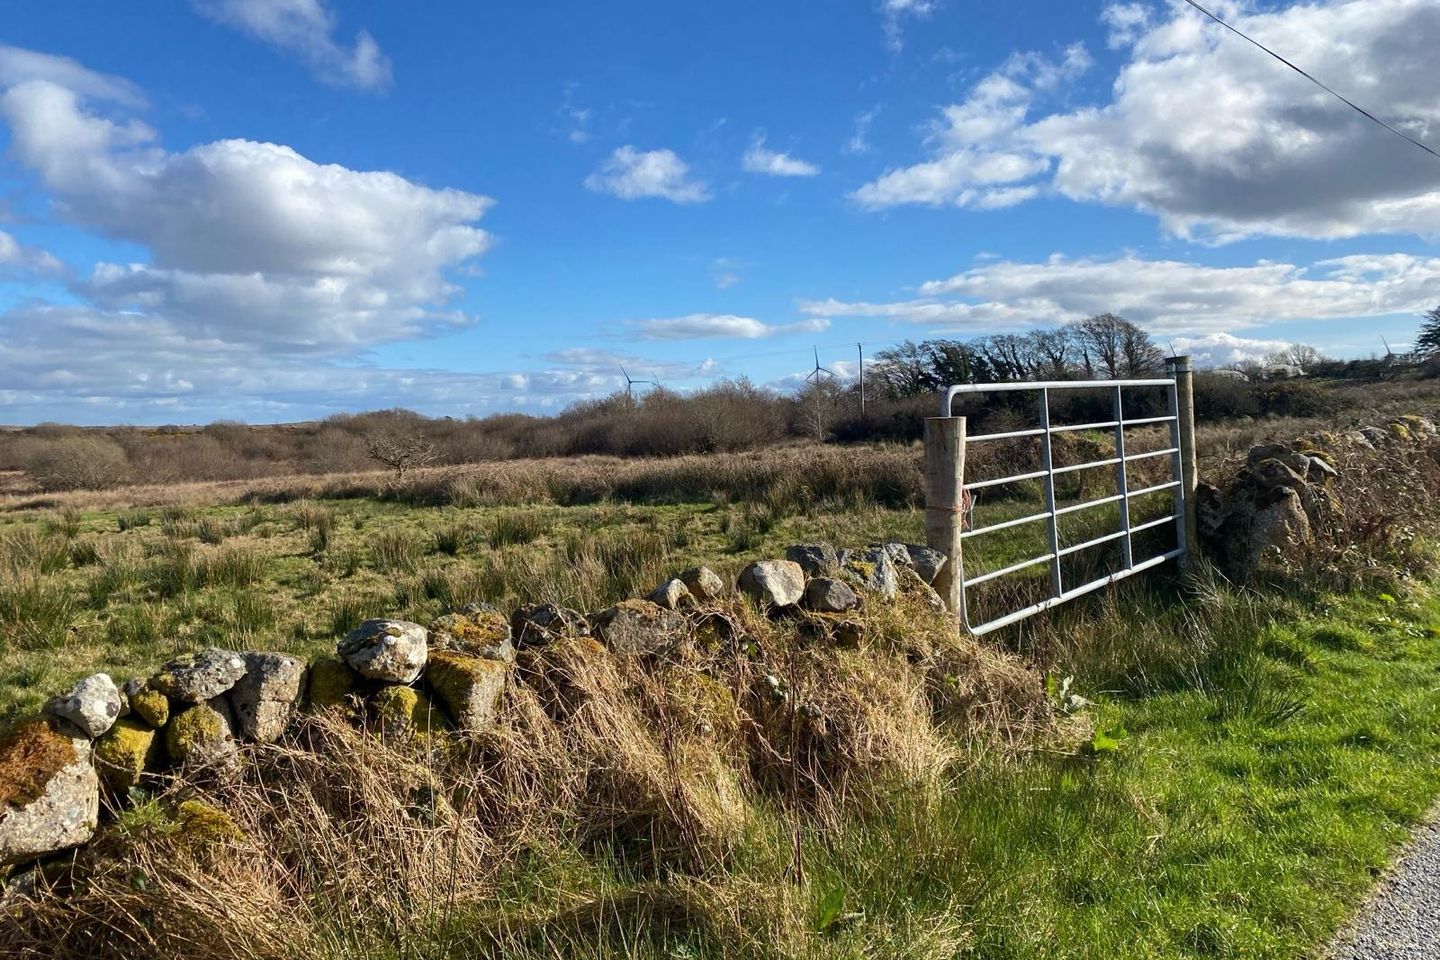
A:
[279,209]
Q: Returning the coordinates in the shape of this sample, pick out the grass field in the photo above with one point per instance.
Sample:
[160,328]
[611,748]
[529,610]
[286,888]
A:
[1228,769]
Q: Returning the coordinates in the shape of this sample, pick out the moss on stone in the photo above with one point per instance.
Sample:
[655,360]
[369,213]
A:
[124,753]
[30,755]
[331,683]
[198,824]
[194,732]
[151,706]
[467,686]
[704,701]
[402,710]
[1400,431]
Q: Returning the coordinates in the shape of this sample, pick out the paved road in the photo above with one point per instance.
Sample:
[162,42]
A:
[1402,922]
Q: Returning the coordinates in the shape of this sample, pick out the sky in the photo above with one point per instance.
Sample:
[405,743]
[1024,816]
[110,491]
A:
[276,210]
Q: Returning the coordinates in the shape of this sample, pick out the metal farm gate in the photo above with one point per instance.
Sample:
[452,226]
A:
[949,498]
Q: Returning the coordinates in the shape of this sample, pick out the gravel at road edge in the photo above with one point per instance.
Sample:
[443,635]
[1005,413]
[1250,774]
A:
[1402,919]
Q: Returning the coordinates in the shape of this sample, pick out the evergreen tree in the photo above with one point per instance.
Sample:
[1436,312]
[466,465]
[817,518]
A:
[1427,344]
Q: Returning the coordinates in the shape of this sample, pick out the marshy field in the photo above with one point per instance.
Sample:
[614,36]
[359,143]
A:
[1182,766]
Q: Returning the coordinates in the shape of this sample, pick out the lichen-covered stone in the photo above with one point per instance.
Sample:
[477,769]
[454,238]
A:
[703,583]
[815,559]
[49,792]
[91,706]
[147,704]
[469,687]
[199,676]
[402,710]
[390,650]
[265,698]
[639,627]
[479,630]
[331,683]
[672,595]
[125,753]
[830,595]
[203,736]
[773,583]
[200,828]
[874,570]
[538,624]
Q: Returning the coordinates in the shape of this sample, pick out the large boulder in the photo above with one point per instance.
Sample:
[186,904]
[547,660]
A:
[49,792]
[830,595]
[875,570]
[672,595]
[469,687]
[203,736]
[538,624]
[199,676]
[703,583]
[389,650]
[639,627]
[815,559]
[91,706]
[125,753]
[265,698]
[478,630]
[773,583]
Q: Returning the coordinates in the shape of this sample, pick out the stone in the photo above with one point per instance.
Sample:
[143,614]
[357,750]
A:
[331,683]
[1280,525]
[773,583]
[910,582]
[639,628]
[402,711]
[815,559]
[703,583]
[927,561]
[203,736]
[1320,470]
[265,698]
[199,676]
[899,553]
[49,792]
[389,650]
[147,704]
[1377,436]
[1295,460]
[875,571]
[830,595]
[1272,474]
[469,687]
[124,753]
[672,595]
[92,705]
[479,630]
[541,623]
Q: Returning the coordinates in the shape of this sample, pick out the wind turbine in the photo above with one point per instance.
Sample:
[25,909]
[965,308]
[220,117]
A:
[630,383]
[817,377]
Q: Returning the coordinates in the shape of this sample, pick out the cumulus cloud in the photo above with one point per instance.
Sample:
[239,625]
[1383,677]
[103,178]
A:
[698,326]
[1165,296]
[774,163]
[1222,350]
[1212,136]
[306,28]
[18,65]
[632,174]
[18,261]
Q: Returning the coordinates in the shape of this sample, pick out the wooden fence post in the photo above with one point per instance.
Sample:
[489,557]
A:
[1184,374]
[944,502]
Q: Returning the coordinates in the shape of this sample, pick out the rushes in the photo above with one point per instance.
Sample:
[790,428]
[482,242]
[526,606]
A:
[514,527]
[392,550]
[235,567]
[35,614]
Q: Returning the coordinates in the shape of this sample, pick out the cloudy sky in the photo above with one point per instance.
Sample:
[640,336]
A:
[277,209]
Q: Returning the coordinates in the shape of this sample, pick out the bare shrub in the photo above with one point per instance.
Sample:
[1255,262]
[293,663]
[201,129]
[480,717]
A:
[78,463]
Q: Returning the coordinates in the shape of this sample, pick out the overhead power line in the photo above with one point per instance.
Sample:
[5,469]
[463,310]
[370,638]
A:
[1349,103]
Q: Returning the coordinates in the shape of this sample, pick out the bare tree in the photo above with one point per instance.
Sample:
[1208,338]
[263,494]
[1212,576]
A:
[1116,347]
[400,452]
[1300,355]
[1054,352]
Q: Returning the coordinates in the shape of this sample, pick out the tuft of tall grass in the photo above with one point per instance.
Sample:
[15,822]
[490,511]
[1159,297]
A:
[64,523]
[30,550]
[516,527]
[35,613]
[136,626]
[235,566]
[117,573]
[452,538]
[176,569]
[392,550]
[349,610]
[251,613]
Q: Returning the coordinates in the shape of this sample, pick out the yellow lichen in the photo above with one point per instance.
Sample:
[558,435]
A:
[193,730]
[402,710]
[124,753]
[151,707]
[331,682]
[465,684]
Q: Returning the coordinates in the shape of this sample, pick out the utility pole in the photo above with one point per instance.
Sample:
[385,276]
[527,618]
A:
[860,349]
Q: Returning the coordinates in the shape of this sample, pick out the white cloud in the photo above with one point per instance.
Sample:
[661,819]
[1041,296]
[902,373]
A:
[18,260]
[18,66]
[760,159]
[1210,134]
[306,28]
[1165,296]
[894,13]
[1222,350]
[250,242]
[725,272]
[632,174]
[1126,22]
[698,326]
